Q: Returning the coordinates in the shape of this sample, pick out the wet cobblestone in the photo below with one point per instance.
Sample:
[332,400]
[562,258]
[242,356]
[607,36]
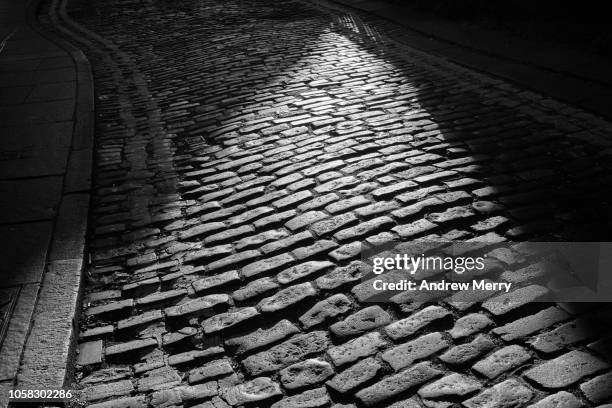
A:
[245,148]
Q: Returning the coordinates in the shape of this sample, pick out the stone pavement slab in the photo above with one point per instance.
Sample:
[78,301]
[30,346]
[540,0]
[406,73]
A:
[45,162]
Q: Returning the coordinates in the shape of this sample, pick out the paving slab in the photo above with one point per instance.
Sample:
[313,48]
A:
[45,104]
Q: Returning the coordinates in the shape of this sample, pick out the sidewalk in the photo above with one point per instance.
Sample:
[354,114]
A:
[46,123]
[572,76]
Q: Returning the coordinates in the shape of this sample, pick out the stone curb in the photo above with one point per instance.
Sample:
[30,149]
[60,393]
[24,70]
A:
[543,80]
[49,353]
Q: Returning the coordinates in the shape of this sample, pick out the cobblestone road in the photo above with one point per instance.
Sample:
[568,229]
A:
[246,148]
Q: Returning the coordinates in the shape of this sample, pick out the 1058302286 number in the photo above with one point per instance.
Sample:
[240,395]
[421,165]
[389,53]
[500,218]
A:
[40,395]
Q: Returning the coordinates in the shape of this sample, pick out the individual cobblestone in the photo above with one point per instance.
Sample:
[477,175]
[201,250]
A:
[360,322]
[210,370]
[326,309]
[531,324]
[344,275]
[562,399]
[287,297]
[510,301]
[217,281]
[304,374]
[267,265]
[565,369]
[502,360]
[256,390]
[453,385]
[303,270]
[509,393]
[356,375]
[406,354]
[262,337]
[466,352]
[223,321]
[410,325]
[254,289]
[355,349]
[397,384]
[197,306]
[564,335]
[598,389]
[284,354]
[308,399]
[470,324]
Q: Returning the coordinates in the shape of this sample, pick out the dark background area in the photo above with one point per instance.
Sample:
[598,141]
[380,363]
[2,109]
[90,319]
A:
[580,24]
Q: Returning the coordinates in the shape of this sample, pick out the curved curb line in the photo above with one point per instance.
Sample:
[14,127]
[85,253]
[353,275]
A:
[49,353]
